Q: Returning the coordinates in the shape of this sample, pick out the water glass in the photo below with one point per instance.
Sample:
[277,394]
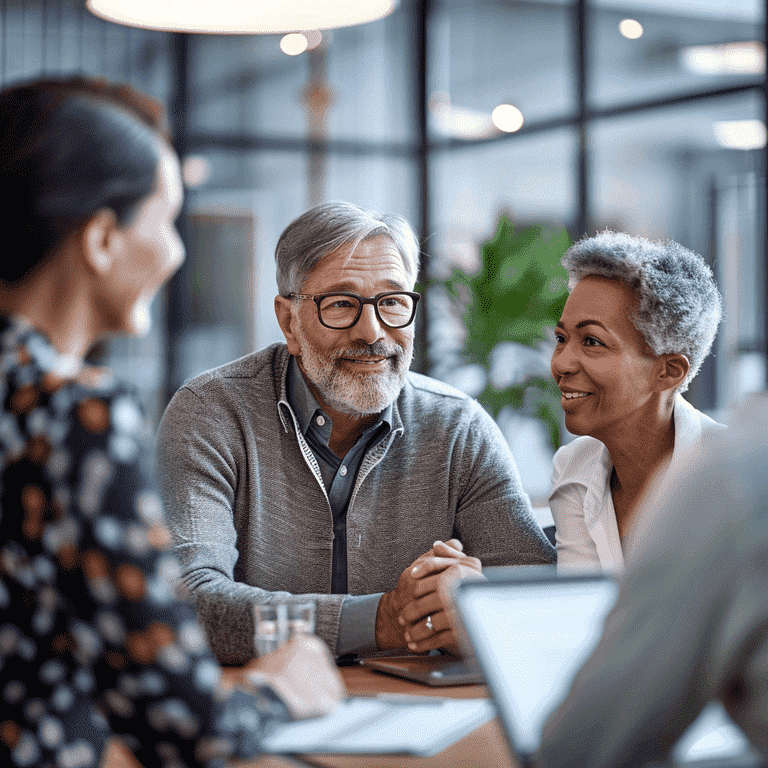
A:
[275,624]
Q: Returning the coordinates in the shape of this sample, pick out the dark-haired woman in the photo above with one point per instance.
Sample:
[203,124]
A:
[92,638]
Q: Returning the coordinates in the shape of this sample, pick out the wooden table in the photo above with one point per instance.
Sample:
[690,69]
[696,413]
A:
[485,747]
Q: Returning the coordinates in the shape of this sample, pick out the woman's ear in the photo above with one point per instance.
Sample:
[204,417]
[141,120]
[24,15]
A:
[101,241]
[674,368]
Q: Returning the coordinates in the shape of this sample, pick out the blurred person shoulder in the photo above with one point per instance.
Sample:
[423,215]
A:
[747,437]
[40,375]
[734,457]
[106,405]
[724,487]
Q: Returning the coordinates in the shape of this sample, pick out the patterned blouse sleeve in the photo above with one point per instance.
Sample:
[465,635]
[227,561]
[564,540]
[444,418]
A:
[157,680]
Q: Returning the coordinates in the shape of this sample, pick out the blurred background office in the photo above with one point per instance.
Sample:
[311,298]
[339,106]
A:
[568,117]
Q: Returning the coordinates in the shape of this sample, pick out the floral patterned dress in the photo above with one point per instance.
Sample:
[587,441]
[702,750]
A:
[93,638]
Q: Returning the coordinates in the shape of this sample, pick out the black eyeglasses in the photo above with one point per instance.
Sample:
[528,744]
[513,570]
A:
[339,310]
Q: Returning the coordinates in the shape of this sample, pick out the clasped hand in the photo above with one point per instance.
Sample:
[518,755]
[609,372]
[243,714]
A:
[416,613]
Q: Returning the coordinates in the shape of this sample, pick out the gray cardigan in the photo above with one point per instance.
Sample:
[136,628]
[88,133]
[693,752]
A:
[249,514]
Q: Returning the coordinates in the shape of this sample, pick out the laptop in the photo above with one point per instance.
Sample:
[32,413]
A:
[531,630]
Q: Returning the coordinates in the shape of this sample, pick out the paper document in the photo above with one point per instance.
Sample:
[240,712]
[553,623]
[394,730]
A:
[713,737]
[417,725]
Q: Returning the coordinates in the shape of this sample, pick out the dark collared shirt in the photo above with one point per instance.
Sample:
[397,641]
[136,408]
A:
[339,475]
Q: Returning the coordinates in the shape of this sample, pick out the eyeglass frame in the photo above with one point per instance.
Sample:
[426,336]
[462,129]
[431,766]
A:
[374,300]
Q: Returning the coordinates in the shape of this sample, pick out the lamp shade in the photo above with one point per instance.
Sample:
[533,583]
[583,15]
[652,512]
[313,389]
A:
[240,16]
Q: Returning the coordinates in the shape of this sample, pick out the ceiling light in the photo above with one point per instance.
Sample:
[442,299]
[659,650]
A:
[746,58]
[467,123]
[507,118]
[631,29]
[740,134]
[241,16]
[458,122]
[294,43]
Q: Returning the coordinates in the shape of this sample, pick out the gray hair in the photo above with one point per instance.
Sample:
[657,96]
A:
[678,304]
[324,228]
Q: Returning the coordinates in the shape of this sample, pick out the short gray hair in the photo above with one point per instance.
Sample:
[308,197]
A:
[678,304]
[324,228]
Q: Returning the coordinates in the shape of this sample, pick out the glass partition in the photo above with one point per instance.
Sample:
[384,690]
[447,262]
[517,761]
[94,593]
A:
[652,49]
[520,54]
[668,139]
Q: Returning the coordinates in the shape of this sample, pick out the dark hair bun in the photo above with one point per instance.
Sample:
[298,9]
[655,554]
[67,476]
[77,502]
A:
[67,149]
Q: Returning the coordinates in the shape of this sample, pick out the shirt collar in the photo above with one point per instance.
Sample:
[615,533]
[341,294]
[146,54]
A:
[305,405]
[16,331]
[688,439]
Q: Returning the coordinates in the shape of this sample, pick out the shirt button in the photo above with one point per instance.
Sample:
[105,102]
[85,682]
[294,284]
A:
[320,421]
[343,471]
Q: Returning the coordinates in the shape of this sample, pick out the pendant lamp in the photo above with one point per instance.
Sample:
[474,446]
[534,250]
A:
[240,16]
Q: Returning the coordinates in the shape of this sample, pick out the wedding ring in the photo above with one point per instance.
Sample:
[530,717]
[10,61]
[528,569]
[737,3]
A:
[428,624]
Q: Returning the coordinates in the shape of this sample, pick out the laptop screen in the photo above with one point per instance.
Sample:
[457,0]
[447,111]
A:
[530,637]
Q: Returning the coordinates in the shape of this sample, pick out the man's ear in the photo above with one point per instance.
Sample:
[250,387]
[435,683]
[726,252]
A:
[101,241]
[287,321]
[673,369]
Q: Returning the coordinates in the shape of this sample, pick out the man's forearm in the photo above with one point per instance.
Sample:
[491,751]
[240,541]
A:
[225,607]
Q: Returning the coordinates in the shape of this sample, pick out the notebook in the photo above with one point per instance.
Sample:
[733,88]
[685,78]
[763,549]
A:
[532,630]
[383,724]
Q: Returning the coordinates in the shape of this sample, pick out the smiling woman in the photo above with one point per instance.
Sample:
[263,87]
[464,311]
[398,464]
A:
[639,321]
[607,373]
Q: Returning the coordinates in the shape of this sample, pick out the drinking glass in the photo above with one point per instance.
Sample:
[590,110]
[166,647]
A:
[275,624]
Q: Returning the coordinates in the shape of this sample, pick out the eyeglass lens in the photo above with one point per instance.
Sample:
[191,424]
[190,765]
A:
[395,309]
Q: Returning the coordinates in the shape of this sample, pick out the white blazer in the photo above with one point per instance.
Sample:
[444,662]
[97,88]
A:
[581,503]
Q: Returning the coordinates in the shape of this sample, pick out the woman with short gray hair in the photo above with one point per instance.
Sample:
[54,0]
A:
[640,320]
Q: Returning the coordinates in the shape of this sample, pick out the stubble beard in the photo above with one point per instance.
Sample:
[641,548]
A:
[356,394]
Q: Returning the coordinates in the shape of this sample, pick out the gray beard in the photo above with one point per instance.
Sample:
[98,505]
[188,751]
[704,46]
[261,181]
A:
[356,394]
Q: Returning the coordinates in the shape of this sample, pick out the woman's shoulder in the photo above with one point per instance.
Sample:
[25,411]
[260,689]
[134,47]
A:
[46,391]
[36,374]
[693,429]
[578,460]
[101,384]
[95,400]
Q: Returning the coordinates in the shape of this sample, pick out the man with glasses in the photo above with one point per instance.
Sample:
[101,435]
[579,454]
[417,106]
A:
[323,468]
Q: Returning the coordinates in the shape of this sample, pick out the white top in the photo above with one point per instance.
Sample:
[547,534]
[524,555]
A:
[581,501]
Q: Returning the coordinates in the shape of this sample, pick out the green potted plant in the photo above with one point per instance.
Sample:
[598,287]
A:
[516,297]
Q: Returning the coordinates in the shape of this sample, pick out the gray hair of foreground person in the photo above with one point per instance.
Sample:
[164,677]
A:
[326,227]
[678,304]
